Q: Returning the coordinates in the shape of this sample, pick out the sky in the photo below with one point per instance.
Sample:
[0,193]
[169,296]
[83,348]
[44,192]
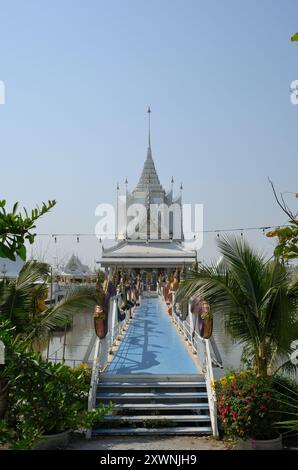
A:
[79,76]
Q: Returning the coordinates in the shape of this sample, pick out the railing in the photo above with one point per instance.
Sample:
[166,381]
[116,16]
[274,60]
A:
[207,358]
[94,378]
[103,348]
[209,377]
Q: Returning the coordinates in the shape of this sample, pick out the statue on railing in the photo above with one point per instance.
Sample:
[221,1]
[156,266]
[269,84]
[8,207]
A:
[100,314]
[109,289]
[204,317]
[168,295]
[159,284]
[175,282]
[134,292]
[181,304]
[173,287]
[125,289]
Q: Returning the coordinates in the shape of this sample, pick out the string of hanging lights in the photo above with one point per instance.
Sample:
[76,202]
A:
[242,230]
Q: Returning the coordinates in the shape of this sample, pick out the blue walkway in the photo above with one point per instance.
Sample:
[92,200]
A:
[152,345]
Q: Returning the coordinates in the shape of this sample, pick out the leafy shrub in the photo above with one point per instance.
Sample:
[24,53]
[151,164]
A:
[246,405]
[44,398]
[50,397]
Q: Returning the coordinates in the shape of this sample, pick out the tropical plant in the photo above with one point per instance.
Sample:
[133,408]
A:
[50,398]
[21,302]
[16,229]
[246,405]
[287,244]
[44,398]
[257,297]
[287,399]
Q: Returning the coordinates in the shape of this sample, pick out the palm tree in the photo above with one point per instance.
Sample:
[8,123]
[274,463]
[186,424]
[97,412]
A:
[21,302]
[257,297]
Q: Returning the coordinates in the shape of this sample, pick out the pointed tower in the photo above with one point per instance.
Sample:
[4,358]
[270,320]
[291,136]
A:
[149,180]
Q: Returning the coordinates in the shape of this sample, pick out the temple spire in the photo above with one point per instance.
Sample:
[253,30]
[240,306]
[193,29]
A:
[149,136]
[149,176]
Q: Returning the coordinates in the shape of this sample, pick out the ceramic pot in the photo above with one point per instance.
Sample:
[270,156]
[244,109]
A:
[53,441]
[100,323]
[260,444]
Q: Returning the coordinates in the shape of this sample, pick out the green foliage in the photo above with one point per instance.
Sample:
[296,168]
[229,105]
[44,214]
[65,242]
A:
[246,405]
[287,400]
[50,397]
[100,276]
[16,229]
[294,38]
[258,299]
[21,302]
[44,398]
[287,246]
[83,373]
[6,433]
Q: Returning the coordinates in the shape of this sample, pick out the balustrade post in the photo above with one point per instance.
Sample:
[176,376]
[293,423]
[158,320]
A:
[94,379]
[210,389]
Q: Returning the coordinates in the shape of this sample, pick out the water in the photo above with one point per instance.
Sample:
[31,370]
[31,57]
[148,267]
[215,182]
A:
[229,350]
[74,343]
[78,338]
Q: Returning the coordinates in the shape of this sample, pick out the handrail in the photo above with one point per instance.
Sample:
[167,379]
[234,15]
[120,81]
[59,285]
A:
[94,378]
[102,350]
[210,389]
[201,347]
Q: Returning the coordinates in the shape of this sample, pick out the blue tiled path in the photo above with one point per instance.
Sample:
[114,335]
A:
[152,345]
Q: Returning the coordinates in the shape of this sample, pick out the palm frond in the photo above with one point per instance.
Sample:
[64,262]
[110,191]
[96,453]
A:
[17,296]
[255,295]
[79,299]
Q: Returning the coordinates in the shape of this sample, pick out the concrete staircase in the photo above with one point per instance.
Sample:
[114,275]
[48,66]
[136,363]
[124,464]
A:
[153,404]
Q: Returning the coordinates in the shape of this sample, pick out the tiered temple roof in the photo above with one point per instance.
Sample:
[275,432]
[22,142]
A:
[149,179]
[75,268]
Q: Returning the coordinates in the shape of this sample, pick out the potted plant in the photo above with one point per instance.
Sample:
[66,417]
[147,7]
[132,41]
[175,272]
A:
[247,410]
[48,401]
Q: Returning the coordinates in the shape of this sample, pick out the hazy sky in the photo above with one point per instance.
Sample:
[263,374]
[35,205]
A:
[80,74]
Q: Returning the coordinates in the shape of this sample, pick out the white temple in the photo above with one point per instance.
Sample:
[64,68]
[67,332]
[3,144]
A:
[75,269]
[157,241]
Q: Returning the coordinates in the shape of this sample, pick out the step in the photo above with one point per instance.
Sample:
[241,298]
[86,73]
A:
[162,406]
[156,396]
[107,385]
[145,431]
[176,418]
[137,378]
